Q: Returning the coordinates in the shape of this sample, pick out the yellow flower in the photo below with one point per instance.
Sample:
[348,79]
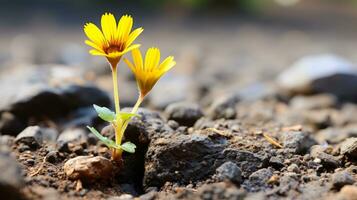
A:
[149,72]
[113,41]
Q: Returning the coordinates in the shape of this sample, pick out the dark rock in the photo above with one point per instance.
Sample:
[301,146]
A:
[141,130]
[88,168]
[299,142]
[29,92]
[224,107]
[276,162]
[321,74]
[181,158]
[349,147]
[76,135]
[186,114]
[53,157]
[288,182]
[34,136]
[10,124]
[342,178]
[247,161]
[150,125]
[259,179]
[11,180]
[327,160]
[229,171]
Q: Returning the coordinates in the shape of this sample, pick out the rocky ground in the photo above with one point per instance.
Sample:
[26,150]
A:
[246,132]
[294,138]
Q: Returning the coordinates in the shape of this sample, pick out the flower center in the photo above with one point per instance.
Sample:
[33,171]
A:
[114,48]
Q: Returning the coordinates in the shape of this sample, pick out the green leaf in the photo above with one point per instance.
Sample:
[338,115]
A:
[128,147]
[126,115]
[110,143]
[104,113]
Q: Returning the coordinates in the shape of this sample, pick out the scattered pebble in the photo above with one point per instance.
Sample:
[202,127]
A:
[186,114]
[88,168]
[229,171]
[342,178]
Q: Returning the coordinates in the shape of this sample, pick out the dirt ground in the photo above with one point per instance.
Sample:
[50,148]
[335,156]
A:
[217,127]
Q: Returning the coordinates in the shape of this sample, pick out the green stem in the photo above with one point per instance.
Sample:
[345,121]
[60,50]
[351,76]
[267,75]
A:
[115,88]
[133,111]
[118,124]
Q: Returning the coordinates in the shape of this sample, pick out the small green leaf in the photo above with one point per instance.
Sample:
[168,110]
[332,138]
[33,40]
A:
[104,113]
[128,147]
[126,115]
[110,143]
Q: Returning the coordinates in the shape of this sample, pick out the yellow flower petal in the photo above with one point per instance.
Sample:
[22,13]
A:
[152,58]
[95,46]
[113,40]
[131,65]
[124,27]
[94,34]
[133,35]
[97,53]
[148,73]
[167,64]
[138,60]
[109,26]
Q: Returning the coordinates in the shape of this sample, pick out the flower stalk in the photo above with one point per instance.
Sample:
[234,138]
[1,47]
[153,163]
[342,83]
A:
[113,42]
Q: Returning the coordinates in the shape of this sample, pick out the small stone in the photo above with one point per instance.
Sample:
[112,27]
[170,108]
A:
[349,147]
[293,168]
[276,162]
[34,136]
[88,168]
[173,124]
[299,142]
[327,160]
[260,177]
[229,171]
[186,114]
[321,74]
[224,107]
[342,178]
[52,157]
[76,135]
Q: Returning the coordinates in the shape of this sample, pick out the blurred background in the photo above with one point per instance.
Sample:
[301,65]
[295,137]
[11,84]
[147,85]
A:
[219,45]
